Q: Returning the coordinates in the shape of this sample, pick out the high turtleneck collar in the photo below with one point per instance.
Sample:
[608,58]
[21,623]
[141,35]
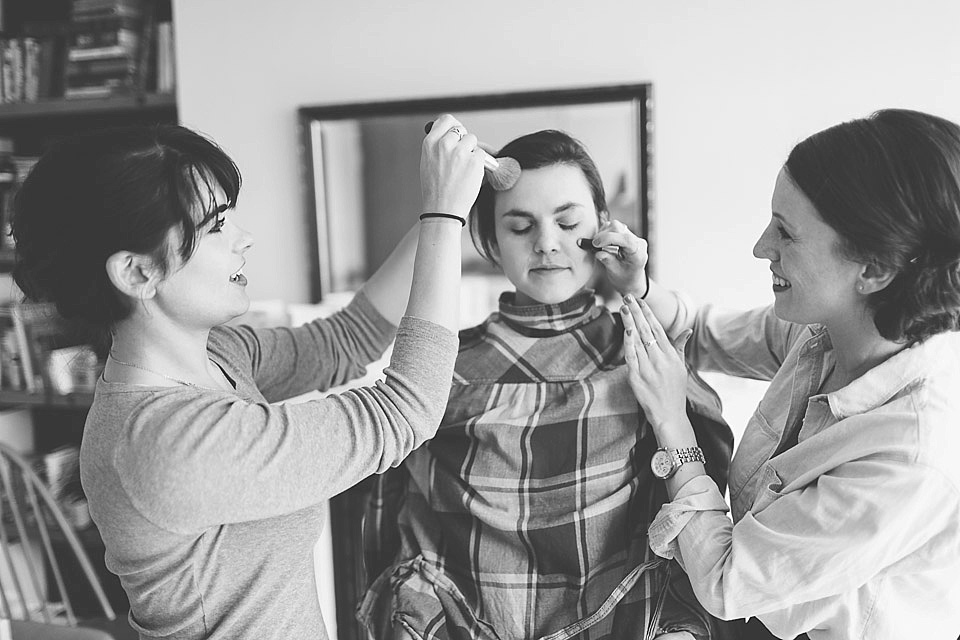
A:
[541,320]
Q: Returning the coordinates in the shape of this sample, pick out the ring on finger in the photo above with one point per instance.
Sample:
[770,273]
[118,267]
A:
[459,131]
[648,343]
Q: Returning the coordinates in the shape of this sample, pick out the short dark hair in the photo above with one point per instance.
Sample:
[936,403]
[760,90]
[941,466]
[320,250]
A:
[533,151]
[119,189]
[889,185]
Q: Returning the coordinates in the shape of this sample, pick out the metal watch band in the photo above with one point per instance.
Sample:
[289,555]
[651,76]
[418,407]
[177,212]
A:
[688,454]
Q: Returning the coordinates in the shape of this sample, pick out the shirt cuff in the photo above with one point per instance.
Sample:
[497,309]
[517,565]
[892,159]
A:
[699,494]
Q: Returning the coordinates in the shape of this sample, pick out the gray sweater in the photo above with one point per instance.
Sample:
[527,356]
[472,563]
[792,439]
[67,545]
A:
[210,503]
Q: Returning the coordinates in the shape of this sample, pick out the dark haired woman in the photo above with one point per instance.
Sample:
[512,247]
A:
[208,497]
[526,516]
[845,488]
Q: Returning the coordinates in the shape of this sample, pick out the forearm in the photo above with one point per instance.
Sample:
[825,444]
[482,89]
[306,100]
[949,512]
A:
[388,289]
[421,278]
[435,290]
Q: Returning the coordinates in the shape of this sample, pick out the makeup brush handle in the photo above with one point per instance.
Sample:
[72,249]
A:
[489,161]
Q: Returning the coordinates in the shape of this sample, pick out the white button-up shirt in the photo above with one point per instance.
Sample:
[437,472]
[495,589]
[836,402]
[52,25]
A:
[854,532]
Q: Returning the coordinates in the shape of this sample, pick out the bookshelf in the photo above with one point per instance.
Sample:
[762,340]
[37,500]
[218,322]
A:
[133,38]
[66,67]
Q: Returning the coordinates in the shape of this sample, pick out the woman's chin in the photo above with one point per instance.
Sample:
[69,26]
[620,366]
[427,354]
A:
[527,298]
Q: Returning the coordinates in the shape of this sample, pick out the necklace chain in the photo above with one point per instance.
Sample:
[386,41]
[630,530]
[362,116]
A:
[162,375]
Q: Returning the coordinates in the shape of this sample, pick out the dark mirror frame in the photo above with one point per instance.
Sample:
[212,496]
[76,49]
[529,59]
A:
[639,94]
[347,508]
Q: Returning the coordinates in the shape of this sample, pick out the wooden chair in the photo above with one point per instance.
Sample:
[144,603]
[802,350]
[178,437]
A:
[36,543]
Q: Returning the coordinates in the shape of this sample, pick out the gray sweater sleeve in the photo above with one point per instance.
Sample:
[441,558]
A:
[286,362]
[190,459]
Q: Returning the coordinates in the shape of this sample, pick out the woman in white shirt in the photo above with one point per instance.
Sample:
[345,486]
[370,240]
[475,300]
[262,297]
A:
[845,489]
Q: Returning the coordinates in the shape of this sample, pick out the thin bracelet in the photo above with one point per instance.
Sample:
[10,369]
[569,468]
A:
[646,274]
[462,221]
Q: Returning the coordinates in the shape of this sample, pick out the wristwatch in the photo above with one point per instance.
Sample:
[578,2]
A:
[665,462]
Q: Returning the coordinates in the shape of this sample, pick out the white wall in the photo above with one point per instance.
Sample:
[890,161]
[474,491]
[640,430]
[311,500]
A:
[736,84]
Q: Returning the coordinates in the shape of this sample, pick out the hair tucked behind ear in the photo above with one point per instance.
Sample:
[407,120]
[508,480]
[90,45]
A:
[93,195]
[533,151]
[890,186]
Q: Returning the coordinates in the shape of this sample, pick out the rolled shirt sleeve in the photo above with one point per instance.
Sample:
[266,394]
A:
[799,547]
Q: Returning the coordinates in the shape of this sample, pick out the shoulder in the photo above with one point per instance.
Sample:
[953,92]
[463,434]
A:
[163,429]
[230,342]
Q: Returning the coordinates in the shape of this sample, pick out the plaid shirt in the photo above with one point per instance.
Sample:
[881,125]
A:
[526,516]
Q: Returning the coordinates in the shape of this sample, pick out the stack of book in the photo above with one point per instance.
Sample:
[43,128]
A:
[30,67]
[103,50]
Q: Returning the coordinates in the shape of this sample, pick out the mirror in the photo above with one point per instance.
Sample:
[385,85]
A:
[361,166]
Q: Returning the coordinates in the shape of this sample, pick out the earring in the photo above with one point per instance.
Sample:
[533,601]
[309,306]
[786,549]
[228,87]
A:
[860,287]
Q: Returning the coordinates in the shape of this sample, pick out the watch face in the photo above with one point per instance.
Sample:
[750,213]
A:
[661,464]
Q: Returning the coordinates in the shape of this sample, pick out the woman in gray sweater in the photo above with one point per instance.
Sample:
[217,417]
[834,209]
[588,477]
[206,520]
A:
[209,496]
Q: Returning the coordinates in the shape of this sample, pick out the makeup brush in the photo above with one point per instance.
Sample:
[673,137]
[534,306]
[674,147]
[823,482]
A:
[502,173]
[587,245]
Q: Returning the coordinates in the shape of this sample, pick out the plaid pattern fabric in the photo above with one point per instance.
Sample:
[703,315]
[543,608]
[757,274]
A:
[526,516]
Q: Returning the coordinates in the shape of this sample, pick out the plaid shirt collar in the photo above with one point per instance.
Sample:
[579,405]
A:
[543,320]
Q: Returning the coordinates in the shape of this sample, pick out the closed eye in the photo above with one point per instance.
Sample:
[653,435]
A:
[569,227]
[522,230]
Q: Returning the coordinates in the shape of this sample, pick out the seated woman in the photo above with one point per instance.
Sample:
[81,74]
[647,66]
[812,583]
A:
[526,516]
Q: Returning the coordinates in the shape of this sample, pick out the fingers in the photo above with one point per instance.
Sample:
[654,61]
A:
[654,324]
[450,171]
[441,127]
[634,317]
[466,144]
[616,233]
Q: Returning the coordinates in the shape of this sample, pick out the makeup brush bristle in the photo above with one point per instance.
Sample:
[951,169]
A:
[505,175]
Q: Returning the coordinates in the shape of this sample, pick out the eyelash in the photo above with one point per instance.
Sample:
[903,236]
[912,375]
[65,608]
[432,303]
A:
[218,225]
[783,233]
[565,227]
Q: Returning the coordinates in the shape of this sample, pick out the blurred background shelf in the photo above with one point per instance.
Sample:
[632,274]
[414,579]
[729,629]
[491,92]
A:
[112,105]
[81,400]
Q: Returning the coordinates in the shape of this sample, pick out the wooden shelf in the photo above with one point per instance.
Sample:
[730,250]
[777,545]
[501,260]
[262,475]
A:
[60,107]
[80,400]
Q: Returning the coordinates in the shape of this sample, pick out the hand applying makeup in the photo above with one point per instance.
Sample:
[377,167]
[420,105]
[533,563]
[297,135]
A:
[622,254]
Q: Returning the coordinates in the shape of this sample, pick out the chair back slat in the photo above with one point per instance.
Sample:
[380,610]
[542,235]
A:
[43,515]
[31,575]
[51,556]
[5,547]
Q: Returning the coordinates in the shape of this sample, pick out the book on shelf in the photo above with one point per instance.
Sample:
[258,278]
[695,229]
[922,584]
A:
[12,373]
[166,68]
[85,11]
[11,57]
[105,32]
[29,66]
[108,52]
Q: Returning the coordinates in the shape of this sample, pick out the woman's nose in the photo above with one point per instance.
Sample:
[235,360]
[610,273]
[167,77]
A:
[762,247]
[244,239]
[546,242]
